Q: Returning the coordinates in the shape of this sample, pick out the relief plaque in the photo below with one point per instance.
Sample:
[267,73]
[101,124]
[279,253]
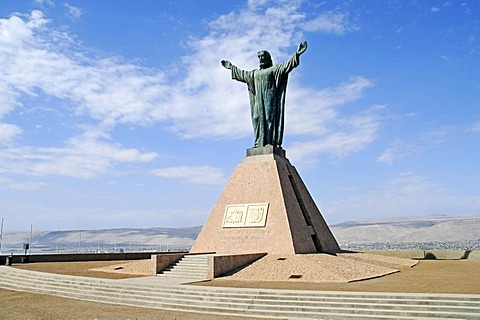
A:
[245,215]
[234,216]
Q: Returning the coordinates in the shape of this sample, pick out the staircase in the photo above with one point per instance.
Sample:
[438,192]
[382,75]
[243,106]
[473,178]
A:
[190,268]
[264,303]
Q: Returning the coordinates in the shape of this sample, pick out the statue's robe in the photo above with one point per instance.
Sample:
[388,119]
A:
[267,89]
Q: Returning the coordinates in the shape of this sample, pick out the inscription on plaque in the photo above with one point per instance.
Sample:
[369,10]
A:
[245,215]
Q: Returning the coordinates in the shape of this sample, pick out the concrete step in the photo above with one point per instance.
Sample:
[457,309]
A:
[190,263]
[190,268]
[275,295]
[273,298]
[233,308]
[195,259]
[185,269]
[257,303]
[252,302]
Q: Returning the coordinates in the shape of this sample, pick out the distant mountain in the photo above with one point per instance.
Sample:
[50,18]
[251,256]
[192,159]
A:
[124,238]
[409,229]
[388,230]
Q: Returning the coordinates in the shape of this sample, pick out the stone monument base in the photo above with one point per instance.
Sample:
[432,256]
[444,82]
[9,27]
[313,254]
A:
[265,208]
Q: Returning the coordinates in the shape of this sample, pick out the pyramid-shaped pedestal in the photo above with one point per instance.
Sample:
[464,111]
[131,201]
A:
[265,207]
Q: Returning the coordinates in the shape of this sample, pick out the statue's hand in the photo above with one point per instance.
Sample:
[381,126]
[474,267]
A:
[302,47]
[227,64]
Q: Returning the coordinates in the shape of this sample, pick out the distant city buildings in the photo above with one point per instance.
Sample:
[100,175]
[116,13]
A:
[432,245]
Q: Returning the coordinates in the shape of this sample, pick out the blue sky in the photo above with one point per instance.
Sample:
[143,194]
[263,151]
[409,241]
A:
[119,114]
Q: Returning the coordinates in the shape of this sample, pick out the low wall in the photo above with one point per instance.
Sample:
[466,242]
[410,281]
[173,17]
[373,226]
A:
[70,257]
[161,261]
[431,254]
[221,264]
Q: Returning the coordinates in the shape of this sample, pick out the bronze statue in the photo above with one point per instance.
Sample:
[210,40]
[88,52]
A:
[267,88]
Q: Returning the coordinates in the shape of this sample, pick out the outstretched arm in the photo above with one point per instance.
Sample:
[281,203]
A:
[226,64]
[294,60]
[302,47]
[239,74]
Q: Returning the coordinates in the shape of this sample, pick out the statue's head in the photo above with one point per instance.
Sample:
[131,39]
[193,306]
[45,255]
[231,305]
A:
[265,59]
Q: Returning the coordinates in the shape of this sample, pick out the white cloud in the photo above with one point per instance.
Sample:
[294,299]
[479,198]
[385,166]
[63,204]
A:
[351,134]
[446,58]
[8,132]
[108,89]
[331,22]
[474,127]
[18,29]
[48,3]
[73,12]
[440,134]
[84,156]
[194,174]
[389,156]
[401,149]
[398,151]
[27,185]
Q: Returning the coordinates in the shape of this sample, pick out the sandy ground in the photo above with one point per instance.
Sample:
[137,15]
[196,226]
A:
[324,268]
[428,276]
[137,268]
[95,269]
